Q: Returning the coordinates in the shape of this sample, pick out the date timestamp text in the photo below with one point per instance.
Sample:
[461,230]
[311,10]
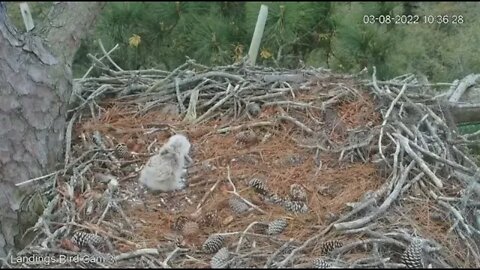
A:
[413,19]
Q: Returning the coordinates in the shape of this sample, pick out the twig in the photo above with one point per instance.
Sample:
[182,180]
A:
[216,106]
[297,123]
[245,126]
[91,67]
[350,246]
[457,215]
[385,119]
[136,253]
[239,196]
[68,138]
[105,211]
[192,105]
[278,251]
[374,81]
[208,193]
[157,84]
[170,256]
[404,142]
[36,179]
[179,98]
[239,244]
[107,55]
[303,246]
[362,221]
[292,104]
[466,82]
[443,160]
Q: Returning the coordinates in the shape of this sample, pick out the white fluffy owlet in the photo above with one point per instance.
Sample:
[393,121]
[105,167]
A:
[164,171]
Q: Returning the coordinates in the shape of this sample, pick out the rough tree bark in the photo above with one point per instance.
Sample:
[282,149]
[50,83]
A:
[35,85]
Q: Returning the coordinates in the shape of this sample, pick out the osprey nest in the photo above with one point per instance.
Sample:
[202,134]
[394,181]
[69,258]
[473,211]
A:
[291,168]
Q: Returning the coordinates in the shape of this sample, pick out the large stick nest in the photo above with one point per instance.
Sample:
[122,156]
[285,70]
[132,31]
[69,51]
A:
[380,163]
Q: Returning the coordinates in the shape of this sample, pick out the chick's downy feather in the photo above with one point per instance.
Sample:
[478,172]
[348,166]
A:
[163,171]
[180,144]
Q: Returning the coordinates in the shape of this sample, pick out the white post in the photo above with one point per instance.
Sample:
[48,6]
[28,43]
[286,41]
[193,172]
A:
[257,35]
[27,16]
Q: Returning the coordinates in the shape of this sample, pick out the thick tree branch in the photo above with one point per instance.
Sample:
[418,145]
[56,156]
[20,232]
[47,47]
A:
[67,24]
[465,112]
[462,87]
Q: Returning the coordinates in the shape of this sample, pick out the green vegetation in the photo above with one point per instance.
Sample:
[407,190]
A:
[332,35]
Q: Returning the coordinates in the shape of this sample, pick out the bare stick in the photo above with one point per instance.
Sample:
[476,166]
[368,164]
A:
[208,193]
[245,126]
[175,71]
[170,256]
[239,244]
[192,105]
[443,160]
[466,82]
[374,81]
[457,215]
[36,179]
[68,138]
[364,242]
[291,104]
[278,251]
[297,123]
[239,196]
[385,119]
[107,55]
[136,253]
[390,199]
[216,106]
[413,181]
[91,67]
[179,98]
[404,142]
[305,244]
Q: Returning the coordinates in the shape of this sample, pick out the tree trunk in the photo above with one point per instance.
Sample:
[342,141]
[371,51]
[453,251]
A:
[35,85]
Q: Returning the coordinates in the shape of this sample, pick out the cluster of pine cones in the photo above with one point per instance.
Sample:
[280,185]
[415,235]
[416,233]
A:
[215,244]
[296,203]
[222,258]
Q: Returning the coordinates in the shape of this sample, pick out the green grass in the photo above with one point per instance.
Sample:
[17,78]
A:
[470,128]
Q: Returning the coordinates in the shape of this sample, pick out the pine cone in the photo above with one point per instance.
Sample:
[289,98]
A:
[213,243]
[238,206]
[275,199]
[320,264]
[277,226]
[179,223]
[220,259]
[413,257]
[259,186]
[329,246]
[298,193]
[121,151]
[247,137]
[296,207]
[209,219]
[82,239]
[190,228]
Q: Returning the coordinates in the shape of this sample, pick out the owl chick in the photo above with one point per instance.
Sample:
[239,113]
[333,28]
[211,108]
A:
[165,170]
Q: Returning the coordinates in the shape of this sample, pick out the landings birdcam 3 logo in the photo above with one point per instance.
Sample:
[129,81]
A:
[37,259]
